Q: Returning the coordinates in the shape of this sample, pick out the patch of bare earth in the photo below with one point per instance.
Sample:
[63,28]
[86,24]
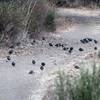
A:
[64,24]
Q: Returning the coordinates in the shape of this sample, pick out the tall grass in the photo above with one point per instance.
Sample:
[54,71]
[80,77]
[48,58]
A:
[76,3]
[24,15]
[85,87]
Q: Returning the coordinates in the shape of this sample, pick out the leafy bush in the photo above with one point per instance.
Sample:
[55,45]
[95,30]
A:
[25,15]
[50,21]
[11,18]
[86,87]
[76,3]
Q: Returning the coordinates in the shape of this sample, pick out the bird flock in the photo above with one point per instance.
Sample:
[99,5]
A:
[57,45]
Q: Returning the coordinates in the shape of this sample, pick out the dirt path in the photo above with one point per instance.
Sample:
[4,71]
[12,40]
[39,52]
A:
[17,84]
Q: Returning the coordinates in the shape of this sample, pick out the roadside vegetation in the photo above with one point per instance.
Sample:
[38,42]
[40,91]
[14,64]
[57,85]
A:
[29,16]
[76,3]
[85,87]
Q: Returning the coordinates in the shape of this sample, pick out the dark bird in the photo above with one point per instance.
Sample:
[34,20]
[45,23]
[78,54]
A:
[89,39]
[43,64]
[31,72]
[50,44]
[33,62]
[13,64]
[56,45]
[34,41]
[59,44]
[95,48]
[95,41]
[42,68]
[1,27]
[8,58]
[71,49]
[18,44]
[80,49]
[77,67]
[85,40]
[65,48]
[12,46]
[11,51]
[43,38]
[82,41]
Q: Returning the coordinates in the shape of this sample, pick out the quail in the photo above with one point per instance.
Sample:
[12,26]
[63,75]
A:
[95,48]
[77,67]
[33,61]
[13,64]
[31,72]
[43,38]
[95,41]
[42,68]
[43,64]
[10,52]
[8,58]
[80,49]
[50,44]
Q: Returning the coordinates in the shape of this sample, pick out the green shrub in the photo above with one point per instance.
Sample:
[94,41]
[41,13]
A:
[85,87]
[50,21]
[11,18]
[24,15]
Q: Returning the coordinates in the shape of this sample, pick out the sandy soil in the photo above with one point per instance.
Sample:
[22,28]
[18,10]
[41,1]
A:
[17,84]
